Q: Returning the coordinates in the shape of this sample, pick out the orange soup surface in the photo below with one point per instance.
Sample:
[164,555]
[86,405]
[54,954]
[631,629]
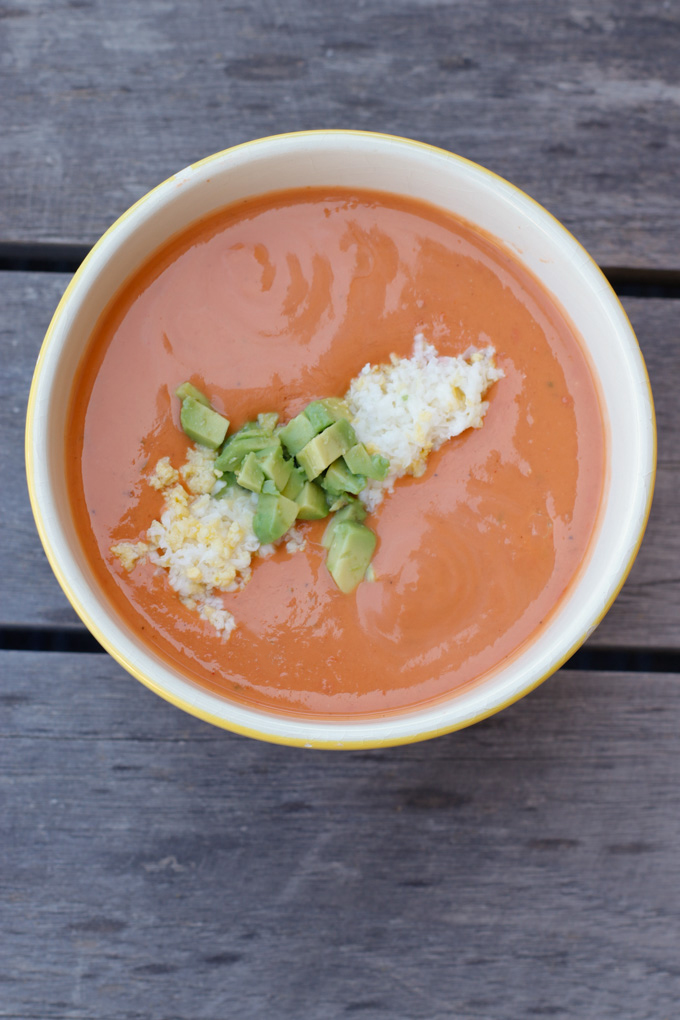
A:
[281,300]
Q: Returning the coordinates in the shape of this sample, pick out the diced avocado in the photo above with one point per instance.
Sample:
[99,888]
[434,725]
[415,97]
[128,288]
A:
[358,459]
[250,428]
[339,478]
[361,462]
[251,476]
[224,485]
[273,517]
[187,389]
[318,414]
[267,420]
[350,553]
[311,502]
[326,447]
[323,413]
[353,510]
[202,424]
[380,467]
[346,432]
[337,407]
[296,434]
[332,492]
[268,486]
[238,446]
[274,466]
[337,502]
[295,483]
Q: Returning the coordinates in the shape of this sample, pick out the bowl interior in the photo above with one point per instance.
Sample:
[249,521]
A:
[405,168]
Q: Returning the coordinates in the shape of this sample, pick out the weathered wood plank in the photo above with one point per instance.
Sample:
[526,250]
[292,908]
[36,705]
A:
[30,594]
[154,866]
[580,106]
[647,612]
[645,615]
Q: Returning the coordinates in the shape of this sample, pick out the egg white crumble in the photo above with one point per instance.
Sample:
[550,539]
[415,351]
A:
[204,543]
[409,407]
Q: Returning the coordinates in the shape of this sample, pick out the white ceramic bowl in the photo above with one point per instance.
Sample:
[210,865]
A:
[356,159]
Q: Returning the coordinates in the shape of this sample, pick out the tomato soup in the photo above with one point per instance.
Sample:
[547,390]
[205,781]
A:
[281,300]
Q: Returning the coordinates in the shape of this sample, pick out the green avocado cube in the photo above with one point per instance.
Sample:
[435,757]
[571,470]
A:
[361,462]
[295,483]
[353,510]
[202,424]
[273,517]
[323,413]
[250,428]
[238,446]
[380,467]
[187,389]
[296,434]
[358,459]
[250,476]
[339,478]
[268,486]
[337,407]
[311,503]
[319,415]
[274,466]
[350,553]
[337,502]
[330,444]
[267,420]
[224,486]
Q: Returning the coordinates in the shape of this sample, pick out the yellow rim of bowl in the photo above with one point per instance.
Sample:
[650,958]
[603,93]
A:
[316,743]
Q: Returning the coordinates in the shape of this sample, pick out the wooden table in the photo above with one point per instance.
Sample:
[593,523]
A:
[154,867]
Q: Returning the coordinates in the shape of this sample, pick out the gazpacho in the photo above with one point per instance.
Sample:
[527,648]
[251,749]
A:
[205,466]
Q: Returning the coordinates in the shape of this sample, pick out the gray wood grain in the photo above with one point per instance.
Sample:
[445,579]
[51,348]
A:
[645,615]
[647,612]
[154,866]
[30,595]
[577,104]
